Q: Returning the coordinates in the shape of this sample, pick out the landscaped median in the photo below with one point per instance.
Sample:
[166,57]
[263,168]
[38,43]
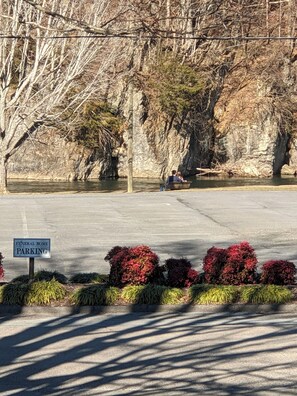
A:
[54,293]
[229,277]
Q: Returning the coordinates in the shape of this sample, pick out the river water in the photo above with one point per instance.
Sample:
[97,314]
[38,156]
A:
[120,185]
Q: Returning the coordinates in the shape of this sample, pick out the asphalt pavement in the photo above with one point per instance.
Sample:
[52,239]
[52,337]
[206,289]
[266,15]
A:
[149,354]
[207,351]
[84,227]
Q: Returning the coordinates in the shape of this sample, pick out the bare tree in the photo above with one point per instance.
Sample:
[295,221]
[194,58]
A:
[41,75]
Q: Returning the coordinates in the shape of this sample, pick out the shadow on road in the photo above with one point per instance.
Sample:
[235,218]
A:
[148,354]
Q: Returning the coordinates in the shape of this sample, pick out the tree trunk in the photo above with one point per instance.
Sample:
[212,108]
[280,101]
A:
[130,139]
[3,175]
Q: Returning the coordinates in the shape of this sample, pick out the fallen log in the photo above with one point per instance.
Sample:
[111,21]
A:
[208,171]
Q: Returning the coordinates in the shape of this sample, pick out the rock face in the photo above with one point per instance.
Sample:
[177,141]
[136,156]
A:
[51,157]
[248,129]
[257,147]
[254,126]
[160,147]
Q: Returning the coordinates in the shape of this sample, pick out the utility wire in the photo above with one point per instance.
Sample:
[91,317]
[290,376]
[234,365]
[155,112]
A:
[144,37]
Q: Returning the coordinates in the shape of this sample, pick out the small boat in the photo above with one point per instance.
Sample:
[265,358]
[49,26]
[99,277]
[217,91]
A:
[179,186]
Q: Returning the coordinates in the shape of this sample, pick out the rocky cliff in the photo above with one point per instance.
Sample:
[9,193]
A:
[249,127]
[241,118]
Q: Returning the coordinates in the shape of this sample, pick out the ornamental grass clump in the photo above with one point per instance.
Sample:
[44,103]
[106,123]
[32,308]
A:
[278,272]
[180,273]
[235,265]
[21,279]
[13,294]
[88,277]
[266,294]
[43,292]
[96,295]
[1,266]
[152,294]
[208,294]
[44,275]
[133,266]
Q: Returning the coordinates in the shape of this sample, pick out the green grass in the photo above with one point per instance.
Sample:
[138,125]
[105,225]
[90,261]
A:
[88,277]
[43,292]
[13,293]
[152,294]
[267,294]
[96,295]
[208,294]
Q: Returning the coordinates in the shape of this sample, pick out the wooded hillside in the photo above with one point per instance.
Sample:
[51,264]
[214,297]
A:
[214,85]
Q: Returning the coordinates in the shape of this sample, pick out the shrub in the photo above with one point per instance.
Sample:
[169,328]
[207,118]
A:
[21,279]
[213,263]
[278,272]
[175,85]
[180,273]
[1,266]
[152,294]
[233,266]
[241,265]
[49,275]
[43,292]
[207,294]
[133,265]
[13,294]
[88,277]
[268,294]
[96,295]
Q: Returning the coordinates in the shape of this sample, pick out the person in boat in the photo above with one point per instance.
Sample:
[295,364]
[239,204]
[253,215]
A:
[180,176]
[173,178]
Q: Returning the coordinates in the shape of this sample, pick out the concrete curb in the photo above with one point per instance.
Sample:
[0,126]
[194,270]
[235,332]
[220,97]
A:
[127,309]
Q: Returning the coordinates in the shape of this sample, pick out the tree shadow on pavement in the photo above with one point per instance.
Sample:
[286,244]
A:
[148,354]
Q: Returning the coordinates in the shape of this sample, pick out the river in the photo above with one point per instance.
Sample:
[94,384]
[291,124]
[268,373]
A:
[145,185]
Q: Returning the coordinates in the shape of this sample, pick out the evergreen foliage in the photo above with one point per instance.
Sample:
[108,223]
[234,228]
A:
[98,125]
[13,293]
[152,294]
[88,277]
[44,275]
[208,294]
[44,292]
[96,295]
[267,294]
[21,279]
[176,85]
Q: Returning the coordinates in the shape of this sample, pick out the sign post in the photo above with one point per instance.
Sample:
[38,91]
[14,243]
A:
[31,248]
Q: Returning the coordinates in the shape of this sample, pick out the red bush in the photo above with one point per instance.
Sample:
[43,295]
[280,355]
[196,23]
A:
[213,263]
[132,265]
[180,273]
[233,266]
[278,272]
[1,266]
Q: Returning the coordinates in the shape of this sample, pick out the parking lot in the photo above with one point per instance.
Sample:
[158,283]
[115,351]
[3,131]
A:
[83,227]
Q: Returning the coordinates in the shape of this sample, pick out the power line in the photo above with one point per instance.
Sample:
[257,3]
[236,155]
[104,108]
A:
[145,37]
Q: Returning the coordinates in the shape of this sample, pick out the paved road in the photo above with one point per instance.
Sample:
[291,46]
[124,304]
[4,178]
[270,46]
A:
[83,227]
[149,354]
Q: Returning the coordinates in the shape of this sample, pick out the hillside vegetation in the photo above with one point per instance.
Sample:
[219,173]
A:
[214,85]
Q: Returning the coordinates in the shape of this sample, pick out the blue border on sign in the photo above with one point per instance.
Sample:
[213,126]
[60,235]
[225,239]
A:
[31,239]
